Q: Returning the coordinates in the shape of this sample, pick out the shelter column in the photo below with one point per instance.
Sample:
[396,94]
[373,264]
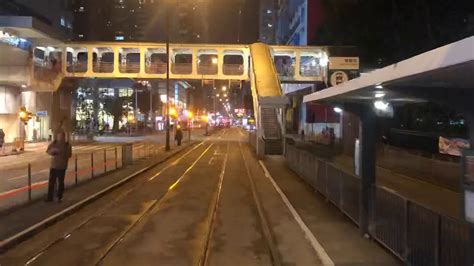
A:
[469,115]
[367,155]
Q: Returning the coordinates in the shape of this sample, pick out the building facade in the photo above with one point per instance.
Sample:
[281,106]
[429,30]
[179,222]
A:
[190,21]
[268,21]
[24,24]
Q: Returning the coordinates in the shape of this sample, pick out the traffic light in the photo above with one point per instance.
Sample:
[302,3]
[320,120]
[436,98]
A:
[24,115]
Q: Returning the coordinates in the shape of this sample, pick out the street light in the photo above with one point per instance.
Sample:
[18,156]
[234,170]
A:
[167,145]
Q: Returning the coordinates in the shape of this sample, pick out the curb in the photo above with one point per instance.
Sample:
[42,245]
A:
[38,227]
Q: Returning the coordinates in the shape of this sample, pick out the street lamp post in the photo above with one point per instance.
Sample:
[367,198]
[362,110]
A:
[167,146]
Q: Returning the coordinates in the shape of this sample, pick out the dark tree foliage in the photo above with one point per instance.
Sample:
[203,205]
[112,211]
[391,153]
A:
[387,31]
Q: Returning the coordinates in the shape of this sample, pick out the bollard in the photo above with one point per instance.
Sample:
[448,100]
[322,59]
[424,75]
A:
[116,161]
[105,161]
[127,154]
[29,182]
[75,170]
[92,165]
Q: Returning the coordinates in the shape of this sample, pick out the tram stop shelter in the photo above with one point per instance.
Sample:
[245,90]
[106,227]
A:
[444,75]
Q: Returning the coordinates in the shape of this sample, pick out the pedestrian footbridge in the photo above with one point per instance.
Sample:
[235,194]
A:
[265,67]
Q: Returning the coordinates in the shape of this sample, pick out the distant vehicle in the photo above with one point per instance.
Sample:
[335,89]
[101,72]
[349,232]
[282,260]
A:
[250,127]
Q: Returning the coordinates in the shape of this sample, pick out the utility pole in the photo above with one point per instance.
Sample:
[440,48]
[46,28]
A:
[136,109]
[151,116]
[167,145]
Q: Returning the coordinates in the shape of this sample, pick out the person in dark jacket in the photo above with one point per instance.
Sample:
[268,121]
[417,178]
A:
[179,135]
[60,151]
[2,138]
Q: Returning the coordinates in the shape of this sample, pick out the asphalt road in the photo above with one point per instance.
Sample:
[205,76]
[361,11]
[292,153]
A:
[203,207]
[104,154]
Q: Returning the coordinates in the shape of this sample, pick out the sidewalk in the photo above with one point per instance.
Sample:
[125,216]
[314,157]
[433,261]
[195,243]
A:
[437,198]
[15,221]
[338,236]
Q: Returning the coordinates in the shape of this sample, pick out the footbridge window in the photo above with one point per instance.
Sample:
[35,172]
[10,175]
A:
[311,64]
[233,63]
[39,54]
[129,60]
[207,63]
[76,59]
[103,60]
[155,61]
[285,64]
[182,61]
[47,62]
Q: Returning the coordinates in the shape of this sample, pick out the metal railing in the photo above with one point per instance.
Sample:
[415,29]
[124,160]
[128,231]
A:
[233,69]
[182,68]
[207,69]
[77,67]
[155,68]
[27,182]
[103,67]
[414,233]
[130,67]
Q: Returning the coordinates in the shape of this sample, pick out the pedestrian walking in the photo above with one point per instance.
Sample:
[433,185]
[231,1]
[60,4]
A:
[60,151]
[179,135]
[2,140]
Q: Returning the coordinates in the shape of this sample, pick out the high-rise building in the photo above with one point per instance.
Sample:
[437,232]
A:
[190,21]
[56,15]
[268,21]
[298,21]
[25,24]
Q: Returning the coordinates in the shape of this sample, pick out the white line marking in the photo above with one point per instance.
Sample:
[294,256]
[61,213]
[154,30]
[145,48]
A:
[325,259]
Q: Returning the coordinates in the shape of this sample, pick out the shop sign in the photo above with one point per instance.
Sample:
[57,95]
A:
[344,63]
[42,113]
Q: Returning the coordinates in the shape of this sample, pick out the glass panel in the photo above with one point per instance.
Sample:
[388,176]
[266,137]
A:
[285,65]
[103,60]
[310,66]
[77,60]
[130,61]
[182,64]
[207,64]
[156,64]
[233,65]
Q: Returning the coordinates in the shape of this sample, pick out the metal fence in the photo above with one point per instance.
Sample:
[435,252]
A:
[414,233]
[26,182]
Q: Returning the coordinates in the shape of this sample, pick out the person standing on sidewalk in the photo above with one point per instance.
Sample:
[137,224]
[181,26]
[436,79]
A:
[179,135]
[2,140]
[61,151]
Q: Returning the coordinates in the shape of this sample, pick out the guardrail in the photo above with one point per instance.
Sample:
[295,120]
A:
[24,183]
[414,233]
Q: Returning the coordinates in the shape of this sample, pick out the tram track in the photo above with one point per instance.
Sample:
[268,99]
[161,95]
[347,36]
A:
[263,221]
[32,259]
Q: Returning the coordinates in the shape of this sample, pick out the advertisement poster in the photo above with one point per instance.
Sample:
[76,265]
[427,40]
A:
[452,146]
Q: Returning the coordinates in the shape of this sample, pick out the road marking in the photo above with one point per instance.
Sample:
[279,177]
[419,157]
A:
[205,254]
[189,169]
[318,248]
